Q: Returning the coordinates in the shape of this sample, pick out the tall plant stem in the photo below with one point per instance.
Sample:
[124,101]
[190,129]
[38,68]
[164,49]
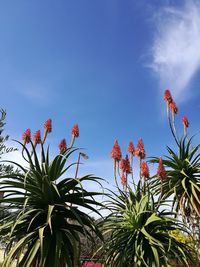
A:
[171,127]
[131,160]
[77,165]
[45,136]
[76,173]
[126,182]
[72,141]
[174,127]
[161,194]
[115,173]
[140,164]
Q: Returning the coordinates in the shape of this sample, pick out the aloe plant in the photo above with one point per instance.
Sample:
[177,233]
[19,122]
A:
[47,220]
[137,234]
[182,181]
[183,178]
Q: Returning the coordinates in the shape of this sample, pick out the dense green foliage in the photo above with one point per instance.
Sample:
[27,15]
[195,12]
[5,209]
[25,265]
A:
[47,217]
[183,178]
[139,234]
[4,168]
[139,229]
[47,223]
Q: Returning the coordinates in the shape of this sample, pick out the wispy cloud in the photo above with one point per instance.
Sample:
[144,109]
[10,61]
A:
[175,52]
[33,93]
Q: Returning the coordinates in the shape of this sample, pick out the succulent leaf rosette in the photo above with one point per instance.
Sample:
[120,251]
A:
[49,210]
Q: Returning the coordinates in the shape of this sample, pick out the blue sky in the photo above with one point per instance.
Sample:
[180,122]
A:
[101,64]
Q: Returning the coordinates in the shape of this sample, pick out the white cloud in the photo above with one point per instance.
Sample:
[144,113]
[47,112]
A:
[33,93]
[176,47]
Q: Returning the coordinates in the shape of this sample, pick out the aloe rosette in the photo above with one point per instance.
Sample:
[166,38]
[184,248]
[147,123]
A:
[137,234]
[49,211]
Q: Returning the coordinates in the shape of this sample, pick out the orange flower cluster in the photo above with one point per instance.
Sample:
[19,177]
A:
[185,122]
[37,137]
[123,179]
[144,170]
[167,96]
[131,149]
[48,126]
[75,134]
[26,137]
[140,152]
[161,172]
[125,165]
[116,152]
[173,108]
[63,146]
[75,130]
[170,102]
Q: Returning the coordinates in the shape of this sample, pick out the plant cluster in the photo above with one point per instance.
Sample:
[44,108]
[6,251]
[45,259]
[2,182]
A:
[46,218]
[4,168]
[139,226]
[153,220]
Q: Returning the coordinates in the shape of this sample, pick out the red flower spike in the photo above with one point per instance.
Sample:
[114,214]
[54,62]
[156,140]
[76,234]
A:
[185,122]
[173,108]
[161,172]
[116,152]
[37,137]
[131,148]
[125,165]
[140,152]
[75,130]
[123,179]
[62,146]
[128,166]
[144,170]
[48,126]
[26,137]
[167,96]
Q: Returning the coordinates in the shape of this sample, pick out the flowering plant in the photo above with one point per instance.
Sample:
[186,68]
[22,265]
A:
[182,178]
[138,228]
[46,220]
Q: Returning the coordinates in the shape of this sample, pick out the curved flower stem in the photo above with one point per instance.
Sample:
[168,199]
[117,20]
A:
[118,169]
[140,164]
[185,130]
[174,129]
[131,161]
[161,195]
[115,173]
[72,141]
[126,182]
[76,173]
[24,155]
[45,136]
[77,165]
[34,147]
[185,133]
[171,127]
